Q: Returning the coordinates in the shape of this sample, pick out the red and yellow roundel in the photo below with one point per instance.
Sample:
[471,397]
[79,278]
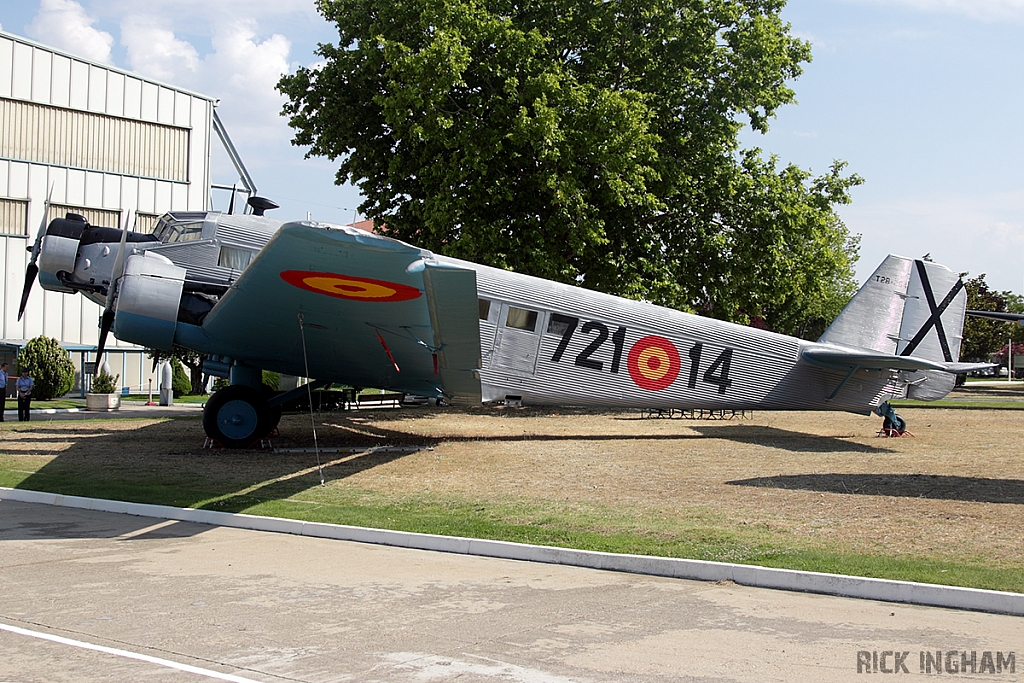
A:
[653,363]
[349,287]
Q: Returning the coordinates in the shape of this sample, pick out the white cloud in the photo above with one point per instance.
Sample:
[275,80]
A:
[241,70]
[65,25]
[978,234]
[153,51]
[986,10]
[251,67]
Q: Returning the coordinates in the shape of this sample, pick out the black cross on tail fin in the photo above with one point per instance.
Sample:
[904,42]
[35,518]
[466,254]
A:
[935,319]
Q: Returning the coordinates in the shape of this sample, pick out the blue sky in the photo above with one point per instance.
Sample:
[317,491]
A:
[923,98]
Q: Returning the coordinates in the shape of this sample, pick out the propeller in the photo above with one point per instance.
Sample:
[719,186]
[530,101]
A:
[116,272]
[33,270]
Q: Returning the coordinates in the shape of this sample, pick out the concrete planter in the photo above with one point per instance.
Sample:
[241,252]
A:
[102,402]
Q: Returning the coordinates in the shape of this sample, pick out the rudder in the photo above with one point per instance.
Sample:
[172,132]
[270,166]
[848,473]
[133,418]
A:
[908,307]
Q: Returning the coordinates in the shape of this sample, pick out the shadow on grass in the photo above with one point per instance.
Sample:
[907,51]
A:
[164,462]
[796,442]
[799,442]
[939,487]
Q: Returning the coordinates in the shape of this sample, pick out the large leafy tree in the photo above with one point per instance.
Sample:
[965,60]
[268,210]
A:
[589,142]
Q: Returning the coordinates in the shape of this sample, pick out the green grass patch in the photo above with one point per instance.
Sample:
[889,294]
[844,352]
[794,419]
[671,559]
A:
[142,398]
[962,404]
[12,404]
[695,533]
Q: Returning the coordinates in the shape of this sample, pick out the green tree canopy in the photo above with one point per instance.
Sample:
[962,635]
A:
[591,143]
[49,366]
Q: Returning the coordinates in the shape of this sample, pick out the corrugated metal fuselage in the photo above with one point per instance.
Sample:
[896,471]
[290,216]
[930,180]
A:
[556,344]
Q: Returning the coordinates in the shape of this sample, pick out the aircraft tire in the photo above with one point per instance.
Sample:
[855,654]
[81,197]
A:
[274,413]
[236,416]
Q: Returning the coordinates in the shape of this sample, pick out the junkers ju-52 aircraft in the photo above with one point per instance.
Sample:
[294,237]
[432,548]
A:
[338,304]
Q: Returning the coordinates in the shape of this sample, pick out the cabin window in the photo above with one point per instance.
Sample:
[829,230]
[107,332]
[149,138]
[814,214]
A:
[521,319]
[558,324]
[234,258]
[485,308]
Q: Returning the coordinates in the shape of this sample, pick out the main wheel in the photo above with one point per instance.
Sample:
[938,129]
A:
[236,416]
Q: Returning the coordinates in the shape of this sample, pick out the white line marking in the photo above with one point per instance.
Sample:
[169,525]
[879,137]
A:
[130,655]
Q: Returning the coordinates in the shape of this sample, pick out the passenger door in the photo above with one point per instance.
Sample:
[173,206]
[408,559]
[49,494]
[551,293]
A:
[517,340]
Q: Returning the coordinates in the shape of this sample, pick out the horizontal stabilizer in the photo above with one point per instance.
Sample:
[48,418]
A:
[853,359]
[999,315]
[963,368]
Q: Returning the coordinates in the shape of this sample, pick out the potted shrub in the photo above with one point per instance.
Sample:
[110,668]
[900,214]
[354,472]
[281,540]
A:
[103,395]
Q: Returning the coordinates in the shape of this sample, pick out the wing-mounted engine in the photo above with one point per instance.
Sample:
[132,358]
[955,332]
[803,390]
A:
[148,299]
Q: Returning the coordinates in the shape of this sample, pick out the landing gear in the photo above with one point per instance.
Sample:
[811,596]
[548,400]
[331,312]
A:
[893,424]
[238,415]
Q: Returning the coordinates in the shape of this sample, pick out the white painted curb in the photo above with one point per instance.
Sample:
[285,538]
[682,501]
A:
[701,570]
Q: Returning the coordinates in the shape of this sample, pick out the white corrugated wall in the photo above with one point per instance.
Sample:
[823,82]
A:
[103,140]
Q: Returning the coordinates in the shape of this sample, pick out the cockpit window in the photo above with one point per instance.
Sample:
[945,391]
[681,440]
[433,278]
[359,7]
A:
[169,233]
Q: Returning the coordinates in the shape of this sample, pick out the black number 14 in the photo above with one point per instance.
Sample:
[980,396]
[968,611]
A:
[721,366]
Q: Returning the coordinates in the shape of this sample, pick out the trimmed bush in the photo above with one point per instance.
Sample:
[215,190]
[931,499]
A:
[49,366]
[181,385]
[104,383]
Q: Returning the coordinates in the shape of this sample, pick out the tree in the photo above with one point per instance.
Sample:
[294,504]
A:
[983,337]
[50,367]
[588,143]
[192,360]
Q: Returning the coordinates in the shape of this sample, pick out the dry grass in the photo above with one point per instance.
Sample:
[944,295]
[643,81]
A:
[819,480]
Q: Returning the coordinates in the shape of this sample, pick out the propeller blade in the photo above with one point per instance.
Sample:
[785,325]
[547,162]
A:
[33,270]
[106,322]
[42,226]
[118,270]
[116,273]
[30,278]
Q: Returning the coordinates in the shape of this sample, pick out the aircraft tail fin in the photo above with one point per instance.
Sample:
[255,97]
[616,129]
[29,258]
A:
[908,307]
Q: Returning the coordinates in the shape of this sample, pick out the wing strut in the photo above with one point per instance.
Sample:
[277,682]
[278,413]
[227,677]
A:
[309,394]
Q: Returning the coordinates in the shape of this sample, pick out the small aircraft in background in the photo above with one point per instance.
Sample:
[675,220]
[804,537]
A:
[337,304]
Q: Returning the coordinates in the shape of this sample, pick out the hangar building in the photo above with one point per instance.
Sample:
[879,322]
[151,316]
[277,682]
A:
[103,141]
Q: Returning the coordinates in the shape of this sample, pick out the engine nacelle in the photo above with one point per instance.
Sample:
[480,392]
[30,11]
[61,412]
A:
[75,256]
[59,250]
[148,297]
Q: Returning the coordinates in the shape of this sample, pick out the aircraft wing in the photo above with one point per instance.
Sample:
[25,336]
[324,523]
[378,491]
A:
[356,308]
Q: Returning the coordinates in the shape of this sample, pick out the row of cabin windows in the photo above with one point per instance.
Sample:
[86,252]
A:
[522,319]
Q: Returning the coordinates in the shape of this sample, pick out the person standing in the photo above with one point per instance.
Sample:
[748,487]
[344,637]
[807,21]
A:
[3,390]
[24,385]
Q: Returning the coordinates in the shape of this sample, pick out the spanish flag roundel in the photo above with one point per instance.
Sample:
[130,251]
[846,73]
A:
[653,363]
[349,287]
